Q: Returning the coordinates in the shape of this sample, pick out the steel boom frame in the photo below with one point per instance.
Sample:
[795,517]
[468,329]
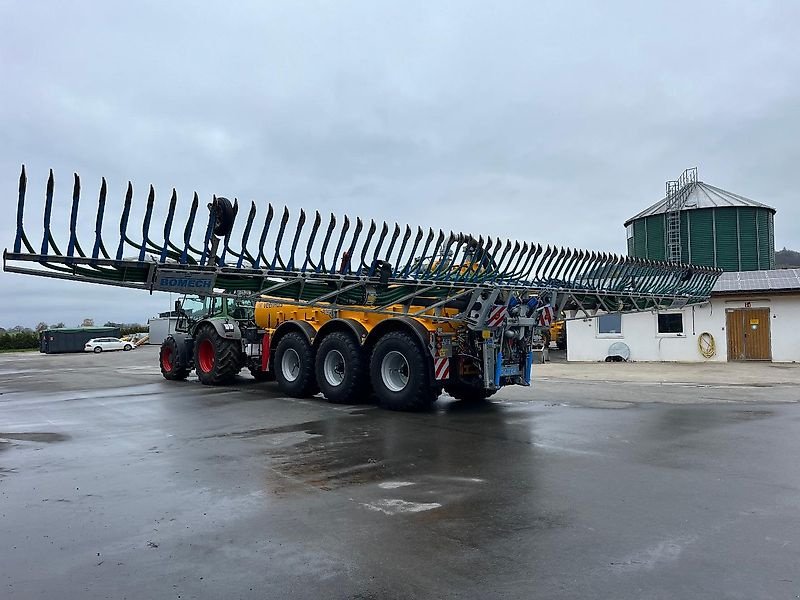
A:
[342,264]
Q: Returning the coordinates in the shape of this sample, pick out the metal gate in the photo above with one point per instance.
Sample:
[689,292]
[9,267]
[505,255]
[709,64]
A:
[748,334]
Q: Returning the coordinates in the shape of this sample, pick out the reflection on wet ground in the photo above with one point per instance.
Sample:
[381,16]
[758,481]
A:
[116,483]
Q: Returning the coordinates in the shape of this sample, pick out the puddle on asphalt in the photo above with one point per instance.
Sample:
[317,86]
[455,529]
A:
[683,420]
[377,447]
[390,451]
[308,427]
[7,372]
[752,414]
[395,506]
[325,454]
[334,454]
[35,437]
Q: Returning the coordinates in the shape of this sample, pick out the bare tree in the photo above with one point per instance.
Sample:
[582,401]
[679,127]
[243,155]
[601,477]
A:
[41,327]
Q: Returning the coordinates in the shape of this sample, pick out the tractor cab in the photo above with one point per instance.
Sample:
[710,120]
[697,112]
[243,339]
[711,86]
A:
[190,310]
[193,309]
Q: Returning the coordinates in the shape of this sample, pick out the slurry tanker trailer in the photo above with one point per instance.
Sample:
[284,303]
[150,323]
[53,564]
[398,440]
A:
[339,307]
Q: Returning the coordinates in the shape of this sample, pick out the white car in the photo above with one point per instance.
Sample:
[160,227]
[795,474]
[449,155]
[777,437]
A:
[107,343]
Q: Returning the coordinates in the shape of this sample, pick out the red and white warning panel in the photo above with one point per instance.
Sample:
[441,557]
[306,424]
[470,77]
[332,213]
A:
[441,368]
[546,318]
[496,315]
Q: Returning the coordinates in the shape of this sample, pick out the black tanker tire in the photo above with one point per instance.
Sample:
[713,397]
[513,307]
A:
[227,357]
[178,371]
[305,384]
[354,388]
[418,393]
[224,217]
[468,393]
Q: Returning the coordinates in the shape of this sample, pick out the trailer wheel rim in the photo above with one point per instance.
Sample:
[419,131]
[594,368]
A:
[394,371]
[166,358]
[290,364]
[205,356]
[333,367]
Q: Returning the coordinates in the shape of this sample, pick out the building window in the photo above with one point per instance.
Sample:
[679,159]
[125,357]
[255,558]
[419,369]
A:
[629,230]
[670,323]
[609,324]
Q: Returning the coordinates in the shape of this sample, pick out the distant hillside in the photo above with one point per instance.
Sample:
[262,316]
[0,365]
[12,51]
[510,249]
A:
[787,259]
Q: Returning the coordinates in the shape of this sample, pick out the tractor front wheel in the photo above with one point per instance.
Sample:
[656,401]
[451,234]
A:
[171,360]
[217,360]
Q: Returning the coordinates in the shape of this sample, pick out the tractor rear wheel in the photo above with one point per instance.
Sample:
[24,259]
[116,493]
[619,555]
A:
[400,373]
[294,366]
[217,360]
[171,360]
[341,369]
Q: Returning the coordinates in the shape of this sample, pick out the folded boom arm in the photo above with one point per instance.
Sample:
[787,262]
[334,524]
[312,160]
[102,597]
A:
[340,263]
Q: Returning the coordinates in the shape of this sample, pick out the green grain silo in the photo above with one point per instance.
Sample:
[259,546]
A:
[704,225]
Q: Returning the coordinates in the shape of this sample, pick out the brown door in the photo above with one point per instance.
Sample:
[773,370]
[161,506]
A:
[748,334]
[735,334]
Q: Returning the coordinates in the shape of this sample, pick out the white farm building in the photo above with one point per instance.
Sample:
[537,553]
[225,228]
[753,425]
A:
[752,315]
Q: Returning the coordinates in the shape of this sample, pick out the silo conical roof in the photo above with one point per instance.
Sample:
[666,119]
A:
[702,195]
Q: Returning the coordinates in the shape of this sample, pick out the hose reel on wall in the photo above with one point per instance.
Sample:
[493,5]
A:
[706,345]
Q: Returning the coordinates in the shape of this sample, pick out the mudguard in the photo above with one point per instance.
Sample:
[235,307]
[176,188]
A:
[302,326]
[351,325]
[185,346]
[226,328]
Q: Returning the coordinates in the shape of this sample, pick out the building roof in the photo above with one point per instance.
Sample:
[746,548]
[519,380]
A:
[93,329]
[702,195]
[775,280]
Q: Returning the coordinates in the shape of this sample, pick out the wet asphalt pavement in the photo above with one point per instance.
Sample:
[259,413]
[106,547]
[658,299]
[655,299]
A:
[117,484]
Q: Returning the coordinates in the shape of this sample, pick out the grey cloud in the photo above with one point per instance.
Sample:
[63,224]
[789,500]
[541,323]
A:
[547,121]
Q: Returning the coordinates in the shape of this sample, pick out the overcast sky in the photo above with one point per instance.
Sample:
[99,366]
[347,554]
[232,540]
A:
[545,121]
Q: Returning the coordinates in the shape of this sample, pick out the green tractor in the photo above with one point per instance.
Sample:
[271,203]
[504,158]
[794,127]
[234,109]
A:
[217,337]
